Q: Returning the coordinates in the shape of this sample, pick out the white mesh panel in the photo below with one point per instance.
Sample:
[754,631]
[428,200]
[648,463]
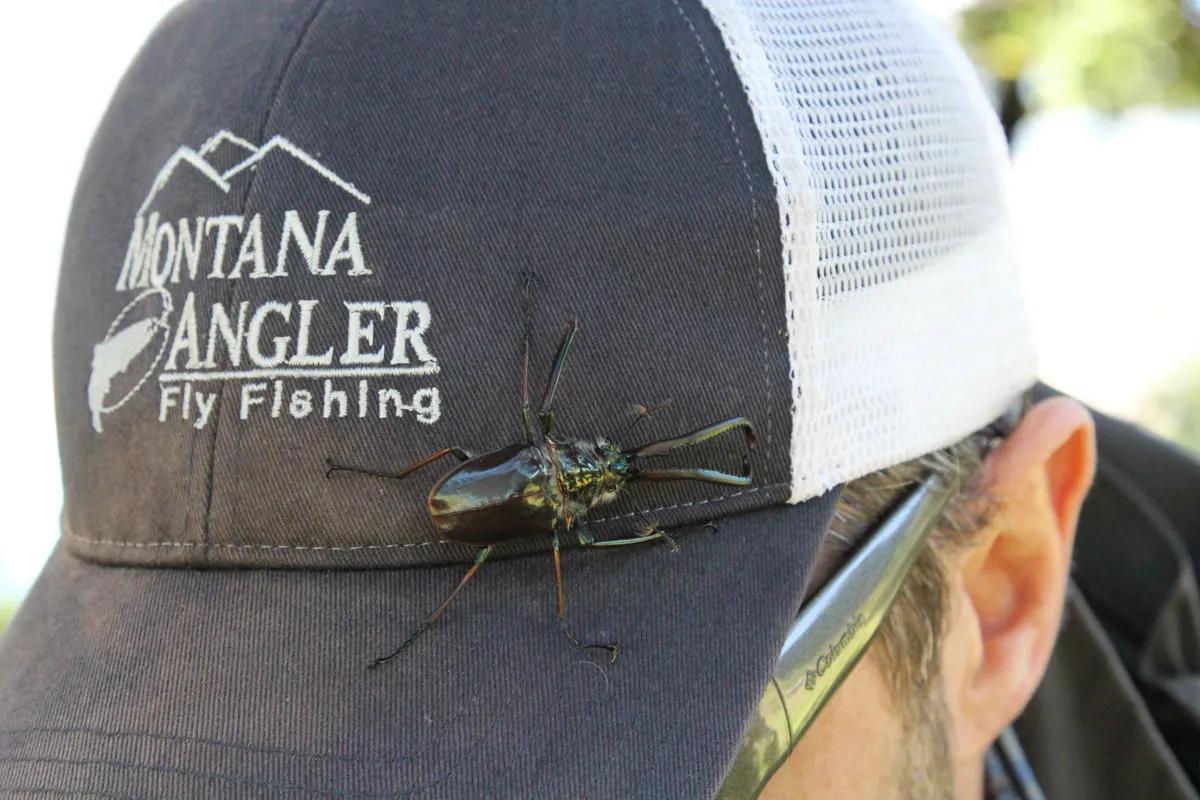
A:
[907,328]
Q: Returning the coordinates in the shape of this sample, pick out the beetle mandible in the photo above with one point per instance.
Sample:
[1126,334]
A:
[546,486]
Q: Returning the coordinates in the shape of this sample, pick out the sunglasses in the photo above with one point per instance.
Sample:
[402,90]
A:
[837,625]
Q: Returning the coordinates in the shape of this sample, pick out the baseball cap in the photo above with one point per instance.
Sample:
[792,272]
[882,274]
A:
[307,230]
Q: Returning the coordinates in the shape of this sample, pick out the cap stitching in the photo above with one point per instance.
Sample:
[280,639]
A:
[246,546]
[391,545]
[181,771]
[690,503]
[737,142]
[54,791]
[102,733]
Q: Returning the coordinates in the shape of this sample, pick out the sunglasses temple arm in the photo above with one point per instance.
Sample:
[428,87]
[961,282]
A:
[830,634]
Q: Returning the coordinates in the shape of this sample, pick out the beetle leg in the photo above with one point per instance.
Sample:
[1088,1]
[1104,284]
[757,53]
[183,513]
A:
[332,466]
[696,437]
[583,534]
[562,609]
[693,474]
[697,473]
[526,410]
[647,532]
[546,412]
[527,422]
[479,559]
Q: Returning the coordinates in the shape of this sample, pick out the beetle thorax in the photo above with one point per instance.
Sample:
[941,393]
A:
[589,473]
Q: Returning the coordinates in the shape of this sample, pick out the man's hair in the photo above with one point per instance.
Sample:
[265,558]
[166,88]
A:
[910,636]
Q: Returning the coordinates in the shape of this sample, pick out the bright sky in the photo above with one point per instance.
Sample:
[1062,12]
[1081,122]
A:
[59,68]
[1108,221]
[1108,228]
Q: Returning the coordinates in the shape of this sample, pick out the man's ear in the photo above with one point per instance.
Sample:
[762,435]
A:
[1014,581]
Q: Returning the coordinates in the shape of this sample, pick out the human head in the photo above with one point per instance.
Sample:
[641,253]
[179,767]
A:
[971,632]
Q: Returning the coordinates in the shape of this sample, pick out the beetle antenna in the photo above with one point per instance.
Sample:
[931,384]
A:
[644,411]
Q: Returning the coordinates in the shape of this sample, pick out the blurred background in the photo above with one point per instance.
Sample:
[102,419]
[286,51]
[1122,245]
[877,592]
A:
[1100,98]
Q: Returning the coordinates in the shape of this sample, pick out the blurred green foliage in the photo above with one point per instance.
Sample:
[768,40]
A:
[1107,54]
[1173,408]
[8,607]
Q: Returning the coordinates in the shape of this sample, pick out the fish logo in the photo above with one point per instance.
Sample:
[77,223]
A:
[122,345]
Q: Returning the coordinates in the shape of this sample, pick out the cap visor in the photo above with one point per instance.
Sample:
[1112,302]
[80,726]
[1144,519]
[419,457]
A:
[119,681]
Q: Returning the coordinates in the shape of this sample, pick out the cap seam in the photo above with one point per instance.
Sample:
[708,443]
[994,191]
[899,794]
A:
[754,221]
[67,532]
[231,294]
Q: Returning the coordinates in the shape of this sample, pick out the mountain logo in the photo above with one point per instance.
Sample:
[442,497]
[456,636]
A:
[253,155]
[185,330]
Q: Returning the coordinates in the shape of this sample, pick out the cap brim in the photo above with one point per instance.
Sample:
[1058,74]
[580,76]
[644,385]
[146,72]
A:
[140,682]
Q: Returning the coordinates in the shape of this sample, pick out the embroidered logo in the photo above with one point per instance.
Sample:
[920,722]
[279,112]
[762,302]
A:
[166,335]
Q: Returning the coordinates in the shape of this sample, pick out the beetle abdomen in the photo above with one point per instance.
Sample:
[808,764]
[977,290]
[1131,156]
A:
[506,494]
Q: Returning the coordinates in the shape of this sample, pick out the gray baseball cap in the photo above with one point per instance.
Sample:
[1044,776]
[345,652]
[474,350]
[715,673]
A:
[305,230]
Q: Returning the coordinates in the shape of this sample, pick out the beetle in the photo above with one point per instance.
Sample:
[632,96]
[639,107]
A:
[546,485]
